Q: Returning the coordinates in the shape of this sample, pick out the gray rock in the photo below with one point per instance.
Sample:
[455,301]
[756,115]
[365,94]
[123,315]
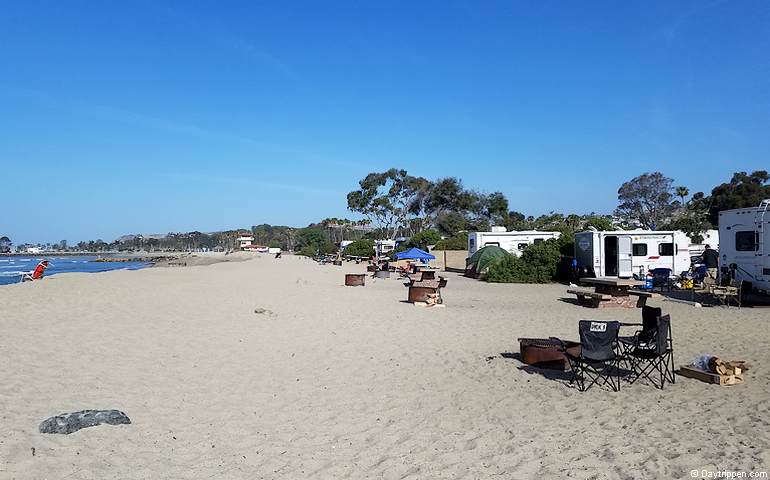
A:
[67,423]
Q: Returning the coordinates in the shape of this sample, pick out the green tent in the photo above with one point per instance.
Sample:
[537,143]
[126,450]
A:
[484,258]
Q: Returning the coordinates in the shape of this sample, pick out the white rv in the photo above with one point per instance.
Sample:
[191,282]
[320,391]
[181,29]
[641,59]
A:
[384,247]
[515,242]
[623,253]
[710,238]
[745,244]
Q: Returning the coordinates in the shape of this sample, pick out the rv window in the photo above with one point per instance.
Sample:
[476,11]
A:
[522,246]
[639,249]
[745,241]
[538,240]
[666,249]
[486,244]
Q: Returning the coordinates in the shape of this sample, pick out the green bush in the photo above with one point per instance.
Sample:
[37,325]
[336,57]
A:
[360,248]
[312,251]
[308,251]
[538,264]
[422,239]
[457,242]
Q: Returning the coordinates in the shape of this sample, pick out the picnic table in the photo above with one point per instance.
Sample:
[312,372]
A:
[611,292]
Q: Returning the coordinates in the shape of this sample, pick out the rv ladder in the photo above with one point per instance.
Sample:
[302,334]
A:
[764,206]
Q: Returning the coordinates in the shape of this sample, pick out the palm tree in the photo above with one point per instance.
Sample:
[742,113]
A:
[682,192]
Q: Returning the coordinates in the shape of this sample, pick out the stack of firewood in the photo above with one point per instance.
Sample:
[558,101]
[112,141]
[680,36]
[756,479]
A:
[730,369]
[719,371]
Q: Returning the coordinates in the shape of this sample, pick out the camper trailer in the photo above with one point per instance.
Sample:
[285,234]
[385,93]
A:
[383,247]
[745,244]
[514,242]
[623,253]
[710,238]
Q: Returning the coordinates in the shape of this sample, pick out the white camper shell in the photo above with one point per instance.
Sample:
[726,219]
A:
[745,243]
[623,253]
[514,242]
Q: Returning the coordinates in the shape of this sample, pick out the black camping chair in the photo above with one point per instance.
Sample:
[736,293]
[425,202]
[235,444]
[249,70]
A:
[649,325]
[650,352]
[661,278]
[598,359]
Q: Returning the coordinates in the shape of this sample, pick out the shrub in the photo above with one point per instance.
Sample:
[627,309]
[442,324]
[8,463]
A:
[538,264]
[457,242]
[312,251]
[360,248]
[308,251]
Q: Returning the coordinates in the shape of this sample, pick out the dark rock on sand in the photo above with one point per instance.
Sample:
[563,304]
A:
[67,423]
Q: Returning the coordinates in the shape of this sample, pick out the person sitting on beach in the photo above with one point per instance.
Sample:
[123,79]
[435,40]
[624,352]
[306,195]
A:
[37,274]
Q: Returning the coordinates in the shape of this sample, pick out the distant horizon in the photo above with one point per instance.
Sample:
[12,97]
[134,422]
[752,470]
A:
[174,117]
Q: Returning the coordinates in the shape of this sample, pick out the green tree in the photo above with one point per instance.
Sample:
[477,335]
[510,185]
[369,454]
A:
[455,242]
[389,199]
[646,200]
[742,191]
[422,239]
[360,248]
[5,244]
[682,192]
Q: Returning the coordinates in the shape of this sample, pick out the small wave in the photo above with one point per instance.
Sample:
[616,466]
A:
[10,274]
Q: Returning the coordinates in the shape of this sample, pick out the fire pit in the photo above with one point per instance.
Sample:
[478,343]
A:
[425,290]
[546,352]
[355,279]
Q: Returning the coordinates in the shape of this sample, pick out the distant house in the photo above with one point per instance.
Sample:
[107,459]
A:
[245,239]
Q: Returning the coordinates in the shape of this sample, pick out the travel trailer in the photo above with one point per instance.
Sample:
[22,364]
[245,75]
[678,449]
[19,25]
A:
[515,242]
[710,238]
[623,253]
[384,247]
[745,244]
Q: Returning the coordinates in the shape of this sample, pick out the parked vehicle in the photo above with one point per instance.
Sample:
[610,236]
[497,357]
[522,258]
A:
[623,253]
[514,242]
[711,238]
[383,247]
[745,244]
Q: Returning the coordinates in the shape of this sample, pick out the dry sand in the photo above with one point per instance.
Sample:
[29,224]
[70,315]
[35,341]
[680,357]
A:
[341,382]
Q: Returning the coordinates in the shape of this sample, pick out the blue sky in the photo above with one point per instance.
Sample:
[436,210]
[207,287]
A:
[156,116]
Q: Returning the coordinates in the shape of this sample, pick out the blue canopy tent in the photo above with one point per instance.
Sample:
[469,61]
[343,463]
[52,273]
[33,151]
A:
[415,254]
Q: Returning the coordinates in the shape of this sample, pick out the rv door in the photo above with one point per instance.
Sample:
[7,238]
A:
[625,257]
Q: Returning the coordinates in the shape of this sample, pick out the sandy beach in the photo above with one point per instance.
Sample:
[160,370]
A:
[339,382]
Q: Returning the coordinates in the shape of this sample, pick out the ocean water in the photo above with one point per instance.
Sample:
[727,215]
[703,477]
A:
[12,267]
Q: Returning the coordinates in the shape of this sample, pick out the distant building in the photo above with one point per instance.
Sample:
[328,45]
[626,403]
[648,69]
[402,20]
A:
[245,240]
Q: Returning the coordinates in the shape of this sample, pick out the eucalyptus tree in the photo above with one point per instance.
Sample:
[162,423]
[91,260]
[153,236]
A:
[389,200]
[646,200]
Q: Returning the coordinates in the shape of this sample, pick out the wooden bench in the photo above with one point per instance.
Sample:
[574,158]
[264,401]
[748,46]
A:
[643,296]
[584,294]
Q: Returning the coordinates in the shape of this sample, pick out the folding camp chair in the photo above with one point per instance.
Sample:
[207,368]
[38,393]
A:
[661,278]
[650,353]
[598,359]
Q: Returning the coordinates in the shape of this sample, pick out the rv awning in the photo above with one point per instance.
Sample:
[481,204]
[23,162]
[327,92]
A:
[415,254]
